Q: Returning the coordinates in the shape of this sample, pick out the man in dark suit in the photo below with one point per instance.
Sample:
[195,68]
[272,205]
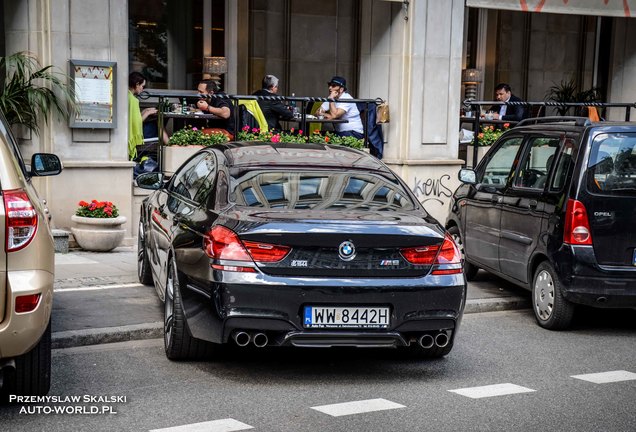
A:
[273,110]
[503,93]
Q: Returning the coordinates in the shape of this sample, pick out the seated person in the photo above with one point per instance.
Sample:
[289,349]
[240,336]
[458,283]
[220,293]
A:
[338,110]
[273,110]
[222,108]
[503,93]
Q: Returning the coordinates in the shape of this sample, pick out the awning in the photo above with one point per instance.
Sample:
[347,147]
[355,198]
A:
[617,8]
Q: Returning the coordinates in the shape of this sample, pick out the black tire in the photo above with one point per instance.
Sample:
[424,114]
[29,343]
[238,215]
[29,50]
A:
[470,270]
[178,342]
[551,309]
[144,273]
[32,374]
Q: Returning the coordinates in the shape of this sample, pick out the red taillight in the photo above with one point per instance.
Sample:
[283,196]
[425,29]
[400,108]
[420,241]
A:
[423,255]
[265,252]
[223,243]
[26,303]
[446,258]
[21,220]
[449,260]
[577,226]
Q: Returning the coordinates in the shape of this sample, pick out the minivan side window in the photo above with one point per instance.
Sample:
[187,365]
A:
[611,169]
[535,165]
[497,170]
[564,164]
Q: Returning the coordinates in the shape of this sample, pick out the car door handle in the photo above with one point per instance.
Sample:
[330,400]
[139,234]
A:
[496,199]
[533,203]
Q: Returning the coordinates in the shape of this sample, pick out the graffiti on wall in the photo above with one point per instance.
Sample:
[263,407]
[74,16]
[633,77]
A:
[433,189]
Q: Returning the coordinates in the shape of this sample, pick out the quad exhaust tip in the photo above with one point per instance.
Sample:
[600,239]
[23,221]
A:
[242,338]
[260,340]
[428,341]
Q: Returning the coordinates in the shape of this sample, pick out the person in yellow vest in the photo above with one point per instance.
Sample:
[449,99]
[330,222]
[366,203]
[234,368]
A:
[136,117]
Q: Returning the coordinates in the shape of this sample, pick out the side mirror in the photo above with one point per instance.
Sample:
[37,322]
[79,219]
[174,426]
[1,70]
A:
[467,176]
[45,164]
[152,180]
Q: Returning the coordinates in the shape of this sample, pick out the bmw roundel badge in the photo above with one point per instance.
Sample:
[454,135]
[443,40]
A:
[347,251]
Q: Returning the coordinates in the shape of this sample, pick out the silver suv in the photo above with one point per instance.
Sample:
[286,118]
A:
[27,259]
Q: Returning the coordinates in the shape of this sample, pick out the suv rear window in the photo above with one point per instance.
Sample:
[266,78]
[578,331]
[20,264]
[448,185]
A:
[612,164]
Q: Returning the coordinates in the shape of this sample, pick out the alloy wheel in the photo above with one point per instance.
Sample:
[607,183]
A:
[544,295]
[169,308]
[141,249]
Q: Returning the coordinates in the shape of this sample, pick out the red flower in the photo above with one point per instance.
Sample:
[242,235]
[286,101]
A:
[82,203]
[326,139]
[506,125]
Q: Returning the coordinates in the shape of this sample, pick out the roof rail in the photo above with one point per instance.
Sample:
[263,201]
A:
[578,121]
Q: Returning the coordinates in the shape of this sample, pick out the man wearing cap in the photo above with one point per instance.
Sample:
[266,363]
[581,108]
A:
[342,110]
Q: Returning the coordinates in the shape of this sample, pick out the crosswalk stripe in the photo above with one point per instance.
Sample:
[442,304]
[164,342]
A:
[223,425]
[607,377]
[357,407]
[492,390]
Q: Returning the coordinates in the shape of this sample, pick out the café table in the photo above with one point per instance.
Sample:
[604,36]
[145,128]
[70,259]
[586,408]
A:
[302,122]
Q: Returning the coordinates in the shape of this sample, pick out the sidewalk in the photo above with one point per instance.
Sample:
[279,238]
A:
[98,299]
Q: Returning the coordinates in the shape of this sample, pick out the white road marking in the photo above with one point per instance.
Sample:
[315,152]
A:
[72,259]
[99,287]
[223,425]
[357,407]
[607,377]
[491,390]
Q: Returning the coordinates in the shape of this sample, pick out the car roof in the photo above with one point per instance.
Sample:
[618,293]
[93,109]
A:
[301,155]
[575,124]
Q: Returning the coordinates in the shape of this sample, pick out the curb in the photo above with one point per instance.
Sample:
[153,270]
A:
[76,338]
[496,304]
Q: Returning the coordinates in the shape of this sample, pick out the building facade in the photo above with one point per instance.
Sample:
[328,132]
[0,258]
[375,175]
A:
[409,53]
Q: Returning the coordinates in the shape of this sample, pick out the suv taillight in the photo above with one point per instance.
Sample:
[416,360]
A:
[223,244]
[577,226]
[446,258]
[21,219]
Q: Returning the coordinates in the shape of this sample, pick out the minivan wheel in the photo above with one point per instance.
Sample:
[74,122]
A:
[470,270]
[144,274]
[551,309]
[178,342]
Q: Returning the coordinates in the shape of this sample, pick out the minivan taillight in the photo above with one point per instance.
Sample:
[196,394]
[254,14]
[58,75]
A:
[446,258]
[577,226]
[224,244]
[26,303]
[21,219]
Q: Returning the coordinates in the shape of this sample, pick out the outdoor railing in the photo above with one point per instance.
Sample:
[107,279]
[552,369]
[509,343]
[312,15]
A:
[475,108]
[165,96]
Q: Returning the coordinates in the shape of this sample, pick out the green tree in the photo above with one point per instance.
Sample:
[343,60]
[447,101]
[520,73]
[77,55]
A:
[29,91]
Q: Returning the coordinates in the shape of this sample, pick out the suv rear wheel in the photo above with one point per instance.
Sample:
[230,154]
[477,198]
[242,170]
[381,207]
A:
[32,374]
[470,270]
[551,309]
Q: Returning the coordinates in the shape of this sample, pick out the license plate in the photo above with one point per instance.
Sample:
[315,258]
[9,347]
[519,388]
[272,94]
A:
[346,317]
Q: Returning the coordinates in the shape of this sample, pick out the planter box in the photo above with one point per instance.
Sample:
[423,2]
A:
[98,234]
[174,156]
[481,151]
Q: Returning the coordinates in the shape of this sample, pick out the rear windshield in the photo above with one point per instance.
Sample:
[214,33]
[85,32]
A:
[318,190]
[612,164]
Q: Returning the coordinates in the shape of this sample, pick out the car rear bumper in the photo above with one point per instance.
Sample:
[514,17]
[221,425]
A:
[259,303]
[20,332]
[586,282]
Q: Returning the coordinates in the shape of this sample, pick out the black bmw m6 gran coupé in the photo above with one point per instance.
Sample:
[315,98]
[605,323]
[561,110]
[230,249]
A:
[304,245]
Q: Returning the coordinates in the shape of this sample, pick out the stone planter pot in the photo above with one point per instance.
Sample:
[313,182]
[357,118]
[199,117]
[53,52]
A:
[174,156]
[98,234]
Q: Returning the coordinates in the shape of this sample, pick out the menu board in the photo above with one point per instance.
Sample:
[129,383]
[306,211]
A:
[94,83]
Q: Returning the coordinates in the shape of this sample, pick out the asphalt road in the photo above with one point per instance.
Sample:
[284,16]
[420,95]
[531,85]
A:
[297,390]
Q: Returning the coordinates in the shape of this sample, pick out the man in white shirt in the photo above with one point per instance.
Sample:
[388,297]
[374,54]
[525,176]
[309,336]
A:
[342,110]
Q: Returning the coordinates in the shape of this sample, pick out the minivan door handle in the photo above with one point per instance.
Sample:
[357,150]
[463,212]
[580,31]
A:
[533,203]
[496,199]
